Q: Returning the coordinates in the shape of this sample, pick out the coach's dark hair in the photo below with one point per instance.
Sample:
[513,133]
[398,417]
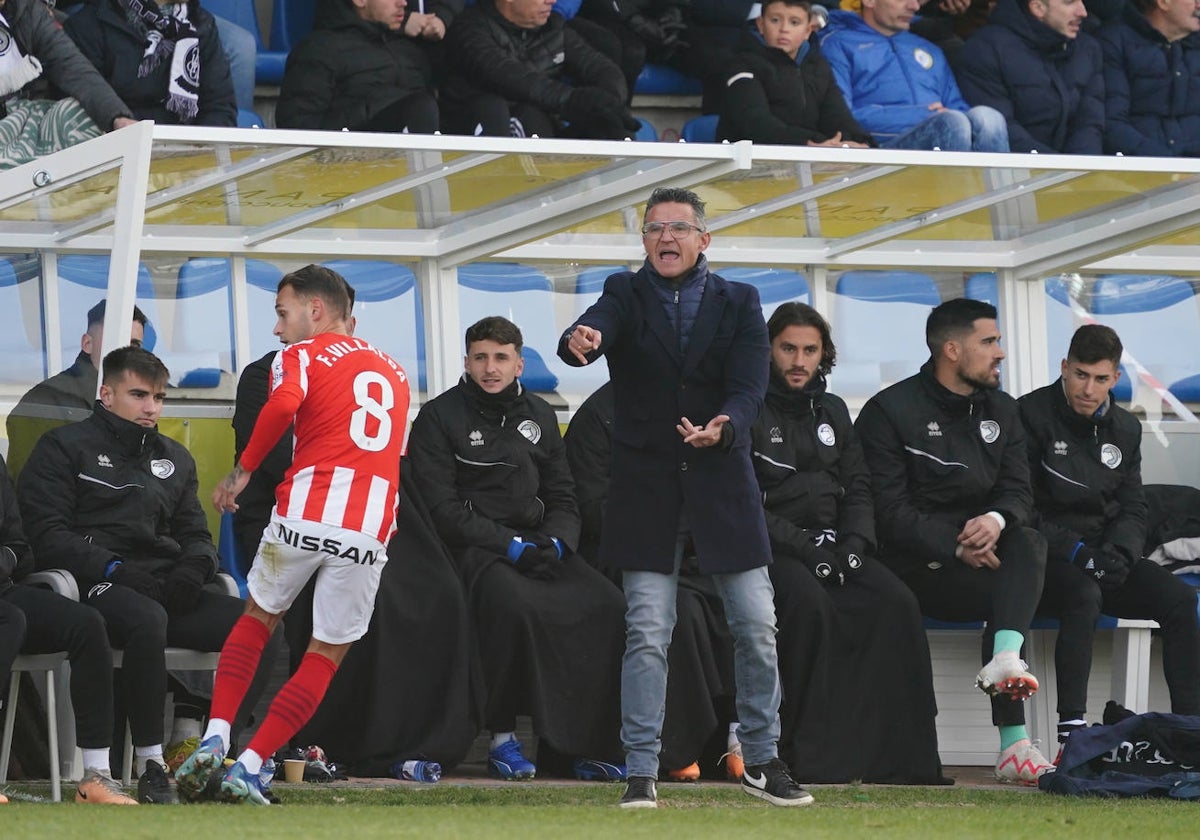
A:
[325,283]
[497,329]
[138,361]
[794,314]
[677,195]
[953,319]
[1094,343]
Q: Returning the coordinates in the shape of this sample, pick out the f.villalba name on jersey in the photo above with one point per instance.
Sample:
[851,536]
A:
[330,546]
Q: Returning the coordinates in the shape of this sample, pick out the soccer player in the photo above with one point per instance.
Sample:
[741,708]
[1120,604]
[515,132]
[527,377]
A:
[335,512]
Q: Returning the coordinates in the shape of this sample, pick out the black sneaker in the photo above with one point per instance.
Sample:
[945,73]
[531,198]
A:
[773,782]
[154,788]
[640,793]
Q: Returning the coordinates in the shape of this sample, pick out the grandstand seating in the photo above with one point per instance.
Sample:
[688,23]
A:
[268,67]
[879,328]
[291,21]
[657,80]
[701,129]
[775,285]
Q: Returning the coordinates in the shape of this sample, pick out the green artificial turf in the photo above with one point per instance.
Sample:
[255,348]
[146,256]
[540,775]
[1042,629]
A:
[523,811]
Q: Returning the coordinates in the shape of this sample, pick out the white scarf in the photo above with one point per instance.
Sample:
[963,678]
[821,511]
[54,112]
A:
[16,68]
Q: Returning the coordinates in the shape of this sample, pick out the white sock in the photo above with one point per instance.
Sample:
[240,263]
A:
[216,726]
[733,738]
[146,754]
[252,761]
[96,760]
[499,738]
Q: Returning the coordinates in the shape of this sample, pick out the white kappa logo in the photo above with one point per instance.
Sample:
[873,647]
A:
[989,430]
[826,435]
[162,468]
[531,430]
[1110,456]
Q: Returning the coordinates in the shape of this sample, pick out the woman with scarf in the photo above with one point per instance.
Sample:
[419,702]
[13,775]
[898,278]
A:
[164,60]
[33,52]
[853,657]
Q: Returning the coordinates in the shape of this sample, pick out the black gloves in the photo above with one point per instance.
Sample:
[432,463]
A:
[536,556]
[598,114]
[851,550]
[183,584]
[826,566]
[1107,565]
[138,580]
[832,562]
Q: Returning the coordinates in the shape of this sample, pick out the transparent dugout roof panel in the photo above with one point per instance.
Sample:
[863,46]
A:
[454,199]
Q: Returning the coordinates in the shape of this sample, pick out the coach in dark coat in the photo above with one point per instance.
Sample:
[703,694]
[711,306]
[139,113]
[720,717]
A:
[688,358]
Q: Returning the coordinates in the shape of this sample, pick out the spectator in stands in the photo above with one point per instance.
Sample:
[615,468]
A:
[488,460]
[1034,65]
[950,477]
[899,86]
[688,355]
[165,61]
[700,659]
[846,622]
[779,88]
[66,396]
[35,620]
[1085,459]
[36,53]
[1152,80]
[362,68]
[114,502]
[515,70]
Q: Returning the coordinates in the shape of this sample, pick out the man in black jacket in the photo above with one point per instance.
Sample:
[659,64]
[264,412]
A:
[1085,459]
[952,499]
[779,88]
[67,396]
[488,460]
[515,71]
[114,503]
[35,620]
[362,68]
[846,622]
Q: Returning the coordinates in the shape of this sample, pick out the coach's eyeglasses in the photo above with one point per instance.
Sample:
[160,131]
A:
[677,229]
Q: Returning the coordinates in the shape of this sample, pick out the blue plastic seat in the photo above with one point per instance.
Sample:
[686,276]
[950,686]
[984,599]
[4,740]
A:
[775,285]
[202,338]
[879,328]
[268,64]
[646,132]
[291,21]
[249,119]
[84,284]
[1157,318]
[701,129]
[525,296]
[230,555]
[656,79]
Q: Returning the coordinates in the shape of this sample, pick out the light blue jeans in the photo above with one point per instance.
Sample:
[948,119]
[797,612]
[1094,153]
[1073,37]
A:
[241,50]
[981,129]
[649,621]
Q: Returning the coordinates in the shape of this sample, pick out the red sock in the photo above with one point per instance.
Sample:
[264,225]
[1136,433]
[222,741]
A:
[294,704]
[239,660]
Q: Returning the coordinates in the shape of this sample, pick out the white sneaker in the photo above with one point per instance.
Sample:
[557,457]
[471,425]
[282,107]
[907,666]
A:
[1007,674]
[1022,763]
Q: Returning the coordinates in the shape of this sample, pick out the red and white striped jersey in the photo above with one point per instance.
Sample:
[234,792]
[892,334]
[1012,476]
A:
[350,406]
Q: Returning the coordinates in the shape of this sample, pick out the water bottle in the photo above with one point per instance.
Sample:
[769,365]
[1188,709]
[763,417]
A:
[417,771]
[266,774]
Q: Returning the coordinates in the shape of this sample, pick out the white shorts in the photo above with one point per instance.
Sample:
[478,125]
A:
[348,565]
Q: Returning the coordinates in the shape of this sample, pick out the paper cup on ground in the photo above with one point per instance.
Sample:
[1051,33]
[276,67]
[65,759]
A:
[293,770]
